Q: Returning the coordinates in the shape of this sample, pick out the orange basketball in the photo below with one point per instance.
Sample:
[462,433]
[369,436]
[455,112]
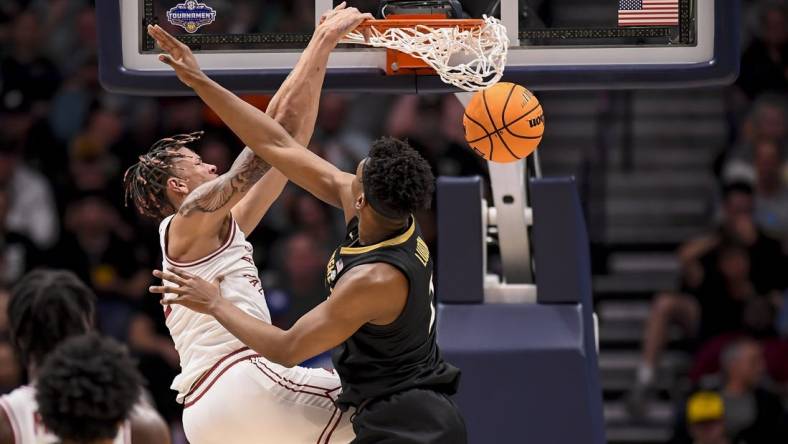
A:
[503,123]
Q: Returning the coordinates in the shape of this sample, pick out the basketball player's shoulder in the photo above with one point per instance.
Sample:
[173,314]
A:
[165,223]
[147,426]
[21,397]
[6,427]
[14,408]
[374,274]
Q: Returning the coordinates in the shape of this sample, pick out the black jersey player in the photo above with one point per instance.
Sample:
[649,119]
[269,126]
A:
[381,310]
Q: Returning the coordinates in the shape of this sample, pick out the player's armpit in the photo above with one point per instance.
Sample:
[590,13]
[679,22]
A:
[343,184]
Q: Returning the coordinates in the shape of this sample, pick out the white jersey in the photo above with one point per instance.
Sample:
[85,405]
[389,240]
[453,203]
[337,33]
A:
[21,411]
[200,340]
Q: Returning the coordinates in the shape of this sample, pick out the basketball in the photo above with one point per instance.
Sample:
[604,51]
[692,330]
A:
[503,123]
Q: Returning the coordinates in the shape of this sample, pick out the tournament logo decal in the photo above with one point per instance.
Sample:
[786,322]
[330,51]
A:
[191,15]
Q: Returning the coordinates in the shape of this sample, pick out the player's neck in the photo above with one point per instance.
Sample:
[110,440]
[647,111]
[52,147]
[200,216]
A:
[176,202]
[377,229]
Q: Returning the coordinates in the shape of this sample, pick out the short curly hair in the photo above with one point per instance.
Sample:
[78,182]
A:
[86,388]
[396,179]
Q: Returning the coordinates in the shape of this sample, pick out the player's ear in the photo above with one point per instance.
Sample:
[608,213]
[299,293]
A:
[360,202]
[177,185]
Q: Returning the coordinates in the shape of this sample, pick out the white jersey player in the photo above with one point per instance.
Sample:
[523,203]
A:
[21,411]
[229,393]
[223,381]
[47,307]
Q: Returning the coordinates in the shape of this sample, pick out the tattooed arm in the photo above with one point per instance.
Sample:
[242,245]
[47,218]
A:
[221,194]
[255,128]
[294,106]
[201,224]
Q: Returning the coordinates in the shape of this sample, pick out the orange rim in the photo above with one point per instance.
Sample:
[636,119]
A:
[402,22]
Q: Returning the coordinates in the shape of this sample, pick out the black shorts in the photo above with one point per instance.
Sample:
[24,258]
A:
[415,416]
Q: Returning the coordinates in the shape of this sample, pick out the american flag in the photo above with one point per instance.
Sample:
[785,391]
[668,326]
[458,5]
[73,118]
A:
[648,12]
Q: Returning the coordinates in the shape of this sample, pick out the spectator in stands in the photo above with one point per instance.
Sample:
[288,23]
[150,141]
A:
[771,192]
[764,65]
[313,219]
[32,208]
[59,24]
[765,121]
[752,414]
[93,163]
[720,273]
[342,143]
[159,362]
[756,322]
[25,71]
[303,271]
[71,105]
[705,417]
[415,118]
[17,252]
[96,247]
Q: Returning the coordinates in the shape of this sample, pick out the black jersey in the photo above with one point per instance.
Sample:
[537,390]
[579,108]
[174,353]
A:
[381,360]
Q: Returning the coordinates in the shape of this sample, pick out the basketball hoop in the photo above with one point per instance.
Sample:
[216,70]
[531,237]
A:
[427,44]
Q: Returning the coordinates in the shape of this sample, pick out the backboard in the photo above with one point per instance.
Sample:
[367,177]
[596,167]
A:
[251,45]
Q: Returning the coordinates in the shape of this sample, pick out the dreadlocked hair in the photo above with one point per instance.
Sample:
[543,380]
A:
[145,182]
[46,307]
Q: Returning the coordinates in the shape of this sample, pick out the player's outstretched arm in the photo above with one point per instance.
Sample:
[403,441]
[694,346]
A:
[321,329]
[257,130]
[294,106]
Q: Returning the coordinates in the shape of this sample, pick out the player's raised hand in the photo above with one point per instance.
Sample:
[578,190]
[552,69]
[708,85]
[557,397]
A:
[341,20]
[193,292]
[331,12]
[179,56]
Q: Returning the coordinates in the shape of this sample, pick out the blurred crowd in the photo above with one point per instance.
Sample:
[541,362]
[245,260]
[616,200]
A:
[731,303]
[65,143]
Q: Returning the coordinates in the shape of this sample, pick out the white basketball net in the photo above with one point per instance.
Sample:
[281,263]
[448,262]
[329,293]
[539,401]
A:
[483,48]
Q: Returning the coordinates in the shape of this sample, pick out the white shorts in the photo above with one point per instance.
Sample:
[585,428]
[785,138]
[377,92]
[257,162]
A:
[245,398]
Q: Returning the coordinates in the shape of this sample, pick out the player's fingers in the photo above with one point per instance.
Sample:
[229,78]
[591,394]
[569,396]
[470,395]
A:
[172,40]
[166,45]
[167,59]
[162,34]
[185,275]
[169,276]
[162,289]
[159,34]
[363,17]
[168,41]
[170,301]
[340,6]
